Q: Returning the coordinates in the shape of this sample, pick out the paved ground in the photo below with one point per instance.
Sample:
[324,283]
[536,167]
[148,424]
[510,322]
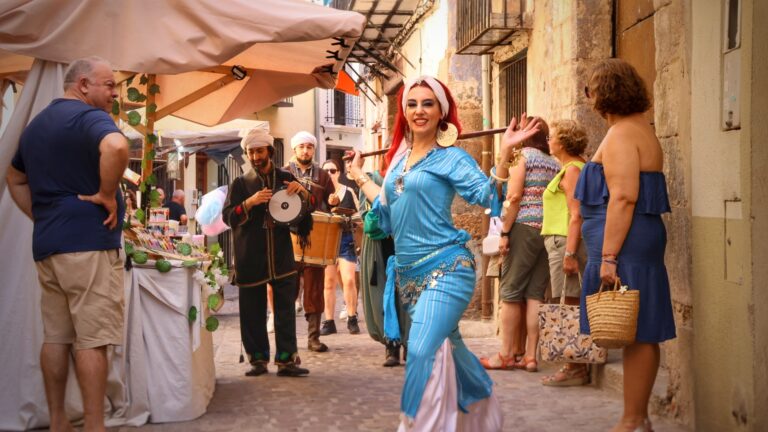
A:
[348,390]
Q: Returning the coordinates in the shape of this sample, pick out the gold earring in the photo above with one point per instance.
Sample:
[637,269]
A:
[447,137]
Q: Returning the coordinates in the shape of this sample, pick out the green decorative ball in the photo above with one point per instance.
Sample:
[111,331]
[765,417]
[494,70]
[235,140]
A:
[163,266]
[140,257]
[211,324]
[184,248]
[214,301]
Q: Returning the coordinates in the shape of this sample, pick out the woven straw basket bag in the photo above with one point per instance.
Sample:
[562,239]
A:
[612,316]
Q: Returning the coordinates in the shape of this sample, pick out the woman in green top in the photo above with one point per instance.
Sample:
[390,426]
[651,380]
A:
[561,229]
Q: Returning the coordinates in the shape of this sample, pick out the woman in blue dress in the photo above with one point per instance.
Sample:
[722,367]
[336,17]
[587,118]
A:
[623,194]
[445,386]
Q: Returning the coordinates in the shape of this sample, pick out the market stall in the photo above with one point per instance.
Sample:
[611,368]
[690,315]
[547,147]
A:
[200,46]
[172,371]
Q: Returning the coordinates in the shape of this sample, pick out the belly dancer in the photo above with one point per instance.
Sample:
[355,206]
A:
[445,386]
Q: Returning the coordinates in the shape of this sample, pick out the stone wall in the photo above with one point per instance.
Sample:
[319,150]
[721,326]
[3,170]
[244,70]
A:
[565,40]
[672,120]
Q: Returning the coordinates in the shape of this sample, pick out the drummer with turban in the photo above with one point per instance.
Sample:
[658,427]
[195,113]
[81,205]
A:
[264,255]
[320,187]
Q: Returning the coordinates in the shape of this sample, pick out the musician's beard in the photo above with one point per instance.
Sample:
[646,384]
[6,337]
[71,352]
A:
[260,164]
[304,161]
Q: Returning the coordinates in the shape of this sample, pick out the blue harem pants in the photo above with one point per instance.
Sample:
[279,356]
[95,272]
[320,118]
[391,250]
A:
[446,281]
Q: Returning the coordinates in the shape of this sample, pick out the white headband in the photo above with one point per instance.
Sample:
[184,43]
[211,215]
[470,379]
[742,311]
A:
[437,89]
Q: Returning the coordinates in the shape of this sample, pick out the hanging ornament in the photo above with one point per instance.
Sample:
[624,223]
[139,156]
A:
[446,137]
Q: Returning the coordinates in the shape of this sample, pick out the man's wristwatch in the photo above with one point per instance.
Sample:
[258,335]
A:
[570,254]
[506,233]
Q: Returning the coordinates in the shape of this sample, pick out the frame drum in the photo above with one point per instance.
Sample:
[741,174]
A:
[284,209]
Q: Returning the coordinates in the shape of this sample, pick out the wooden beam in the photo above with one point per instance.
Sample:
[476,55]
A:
[150,128]
[140,128]
[192,97]
[122,76]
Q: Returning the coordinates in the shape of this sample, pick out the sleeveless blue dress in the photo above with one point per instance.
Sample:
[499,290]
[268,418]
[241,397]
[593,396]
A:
[641,259]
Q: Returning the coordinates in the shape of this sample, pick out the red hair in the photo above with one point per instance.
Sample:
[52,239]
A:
[401,124]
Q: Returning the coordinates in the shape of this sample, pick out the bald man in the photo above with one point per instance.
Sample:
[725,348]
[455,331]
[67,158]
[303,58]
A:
[176,210]
[65,177]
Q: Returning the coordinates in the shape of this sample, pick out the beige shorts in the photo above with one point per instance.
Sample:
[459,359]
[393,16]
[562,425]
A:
[82,300]
[555,245]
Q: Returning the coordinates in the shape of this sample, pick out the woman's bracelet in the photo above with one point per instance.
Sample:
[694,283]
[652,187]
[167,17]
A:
[610,261]
[363,179]
[497,178]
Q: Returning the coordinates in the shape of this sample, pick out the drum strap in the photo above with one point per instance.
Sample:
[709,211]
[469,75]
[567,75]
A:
[309,180]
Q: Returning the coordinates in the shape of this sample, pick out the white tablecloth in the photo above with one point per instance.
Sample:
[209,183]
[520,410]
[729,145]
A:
[170,359]
[163,372]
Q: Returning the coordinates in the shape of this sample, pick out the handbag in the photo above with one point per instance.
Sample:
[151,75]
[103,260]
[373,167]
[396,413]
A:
[559,337]
[612,315]
[491,241]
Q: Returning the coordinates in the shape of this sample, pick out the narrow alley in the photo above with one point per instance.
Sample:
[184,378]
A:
[348,390]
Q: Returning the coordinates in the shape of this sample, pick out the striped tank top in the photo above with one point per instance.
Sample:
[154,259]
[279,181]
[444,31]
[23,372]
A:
[540,169]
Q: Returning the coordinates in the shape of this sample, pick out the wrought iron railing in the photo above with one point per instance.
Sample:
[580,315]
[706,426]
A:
[482,25]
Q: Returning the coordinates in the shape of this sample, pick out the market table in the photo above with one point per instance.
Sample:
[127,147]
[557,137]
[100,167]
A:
[169,358]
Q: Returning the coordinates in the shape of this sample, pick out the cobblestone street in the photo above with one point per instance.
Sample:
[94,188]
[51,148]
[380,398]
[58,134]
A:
[349,390]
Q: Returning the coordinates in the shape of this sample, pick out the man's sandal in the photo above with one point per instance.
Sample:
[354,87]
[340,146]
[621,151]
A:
[498,362]
[567,377]
[529,364]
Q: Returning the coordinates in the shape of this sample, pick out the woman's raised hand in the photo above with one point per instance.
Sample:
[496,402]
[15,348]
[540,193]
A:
[356,168]
[516,134]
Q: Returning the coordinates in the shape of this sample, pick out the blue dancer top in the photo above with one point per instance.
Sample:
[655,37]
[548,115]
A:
[418,209]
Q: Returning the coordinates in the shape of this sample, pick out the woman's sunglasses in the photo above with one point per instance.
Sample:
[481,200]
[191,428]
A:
[331,170]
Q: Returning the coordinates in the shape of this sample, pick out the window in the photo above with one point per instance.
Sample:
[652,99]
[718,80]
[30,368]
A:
[513,86]
[732,24]
[731,66]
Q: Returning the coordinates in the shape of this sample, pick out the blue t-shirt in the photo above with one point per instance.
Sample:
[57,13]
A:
[59,152]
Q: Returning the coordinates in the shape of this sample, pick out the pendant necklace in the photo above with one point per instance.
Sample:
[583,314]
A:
[400,180]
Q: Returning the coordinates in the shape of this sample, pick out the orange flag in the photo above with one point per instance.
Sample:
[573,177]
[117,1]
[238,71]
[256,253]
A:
[346,84]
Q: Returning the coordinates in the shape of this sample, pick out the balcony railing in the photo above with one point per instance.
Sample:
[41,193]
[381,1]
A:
[344,121]
[483,25]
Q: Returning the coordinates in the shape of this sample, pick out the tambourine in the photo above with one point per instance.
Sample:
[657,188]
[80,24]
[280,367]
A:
[284,209]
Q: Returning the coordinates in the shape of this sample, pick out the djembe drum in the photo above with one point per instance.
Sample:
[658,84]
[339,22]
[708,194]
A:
[324,240]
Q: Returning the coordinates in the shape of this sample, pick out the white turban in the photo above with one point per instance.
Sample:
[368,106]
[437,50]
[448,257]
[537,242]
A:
[303,137]
[257,137]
